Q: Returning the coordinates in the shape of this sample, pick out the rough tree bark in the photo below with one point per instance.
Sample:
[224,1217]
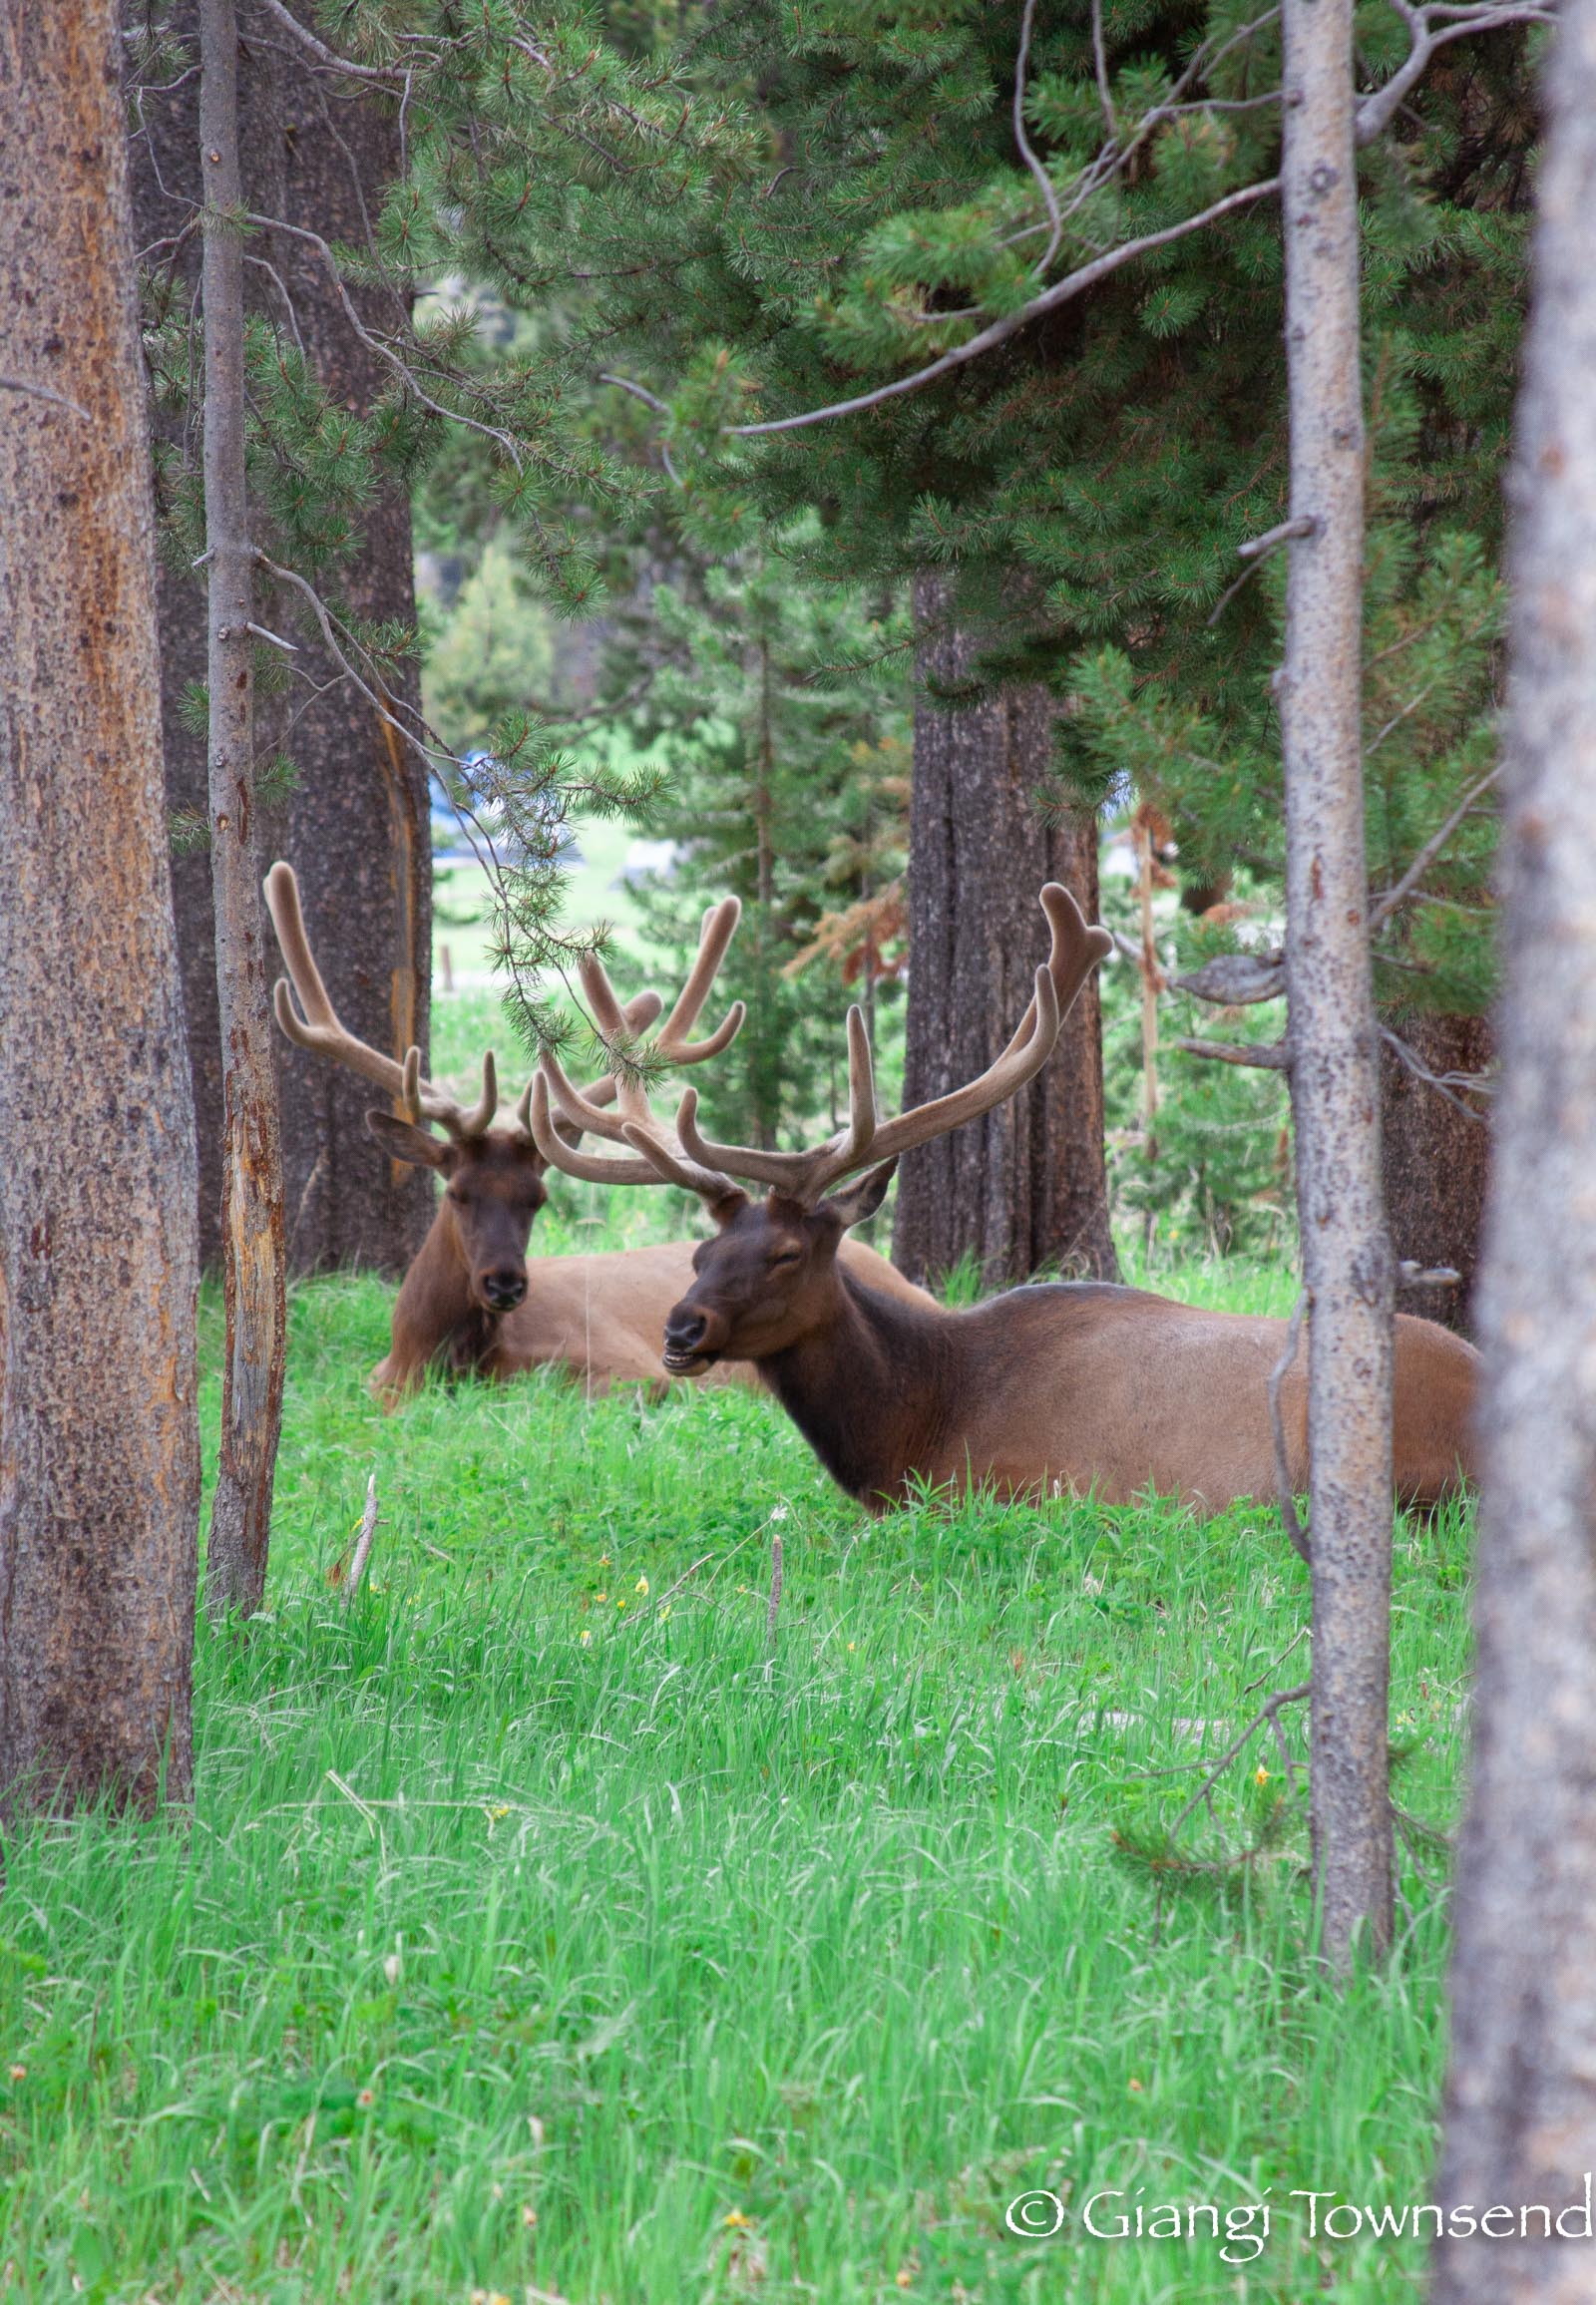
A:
[99,1432]
[1435,1161]
[165,154]
[357,826]
[1334,1068]
[1521,2098]
[253,1224]
[1027,1186]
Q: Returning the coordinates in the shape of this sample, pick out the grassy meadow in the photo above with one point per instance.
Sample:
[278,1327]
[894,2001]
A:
[546,1930]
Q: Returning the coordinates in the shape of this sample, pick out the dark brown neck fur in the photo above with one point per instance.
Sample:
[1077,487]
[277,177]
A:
[871,1390]
[436,1321]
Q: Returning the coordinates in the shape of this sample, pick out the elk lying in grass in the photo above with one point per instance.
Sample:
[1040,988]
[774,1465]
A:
[466,1303]
[1066,1388]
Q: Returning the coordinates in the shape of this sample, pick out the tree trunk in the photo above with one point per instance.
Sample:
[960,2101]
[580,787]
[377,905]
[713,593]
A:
[1025,1188]
[357,826]
[253,1229]
[99,1433]
[1334,1068]
[1521,2097]
[1435,1161]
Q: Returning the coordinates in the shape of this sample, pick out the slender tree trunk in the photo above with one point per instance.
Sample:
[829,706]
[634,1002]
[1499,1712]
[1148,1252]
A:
[1335,1072]
[1521,2095]
[99,1433]
[356,826]
[1027,1186]
[253,1272]
[1435,1161]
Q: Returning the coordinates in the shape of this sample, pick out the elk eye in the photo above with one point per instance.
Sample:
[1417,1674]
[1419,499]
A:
[781,1256]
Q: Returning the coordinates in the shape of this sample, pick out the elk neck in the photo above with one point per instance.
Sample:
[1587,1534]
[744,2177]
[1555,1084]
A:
[436,1314]
[872,1388]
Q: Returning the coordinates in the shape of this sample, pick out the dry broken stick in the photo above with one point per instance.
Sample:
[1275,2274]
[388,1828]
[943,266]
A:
[362,1551]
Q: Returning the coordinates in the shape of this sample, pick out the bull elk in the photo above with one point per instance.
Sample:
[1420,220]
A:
[1068,1387]
[466,1303]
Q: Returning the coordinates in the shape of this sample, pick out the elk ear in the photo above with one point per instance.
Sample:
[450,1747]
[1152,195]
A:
[402,1142]
[861,1198]
[726,1206]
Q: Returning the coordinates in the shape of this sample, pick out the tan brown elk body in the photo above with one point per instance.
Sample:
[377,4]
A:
[468,1302]
[1047,1389]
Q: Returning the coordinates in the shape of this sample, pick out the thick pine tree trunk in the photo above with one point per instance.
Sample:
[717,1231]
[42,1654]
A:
[99,1433]
[357,827]
[1435,1161]
[1025,1188]
[253,1229]
[1521,2123]
[1334,1067]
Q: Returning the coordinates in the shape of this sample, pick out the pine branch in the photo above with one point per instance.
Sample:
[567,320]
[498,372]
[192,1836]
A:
[1384,905]
[1061,292]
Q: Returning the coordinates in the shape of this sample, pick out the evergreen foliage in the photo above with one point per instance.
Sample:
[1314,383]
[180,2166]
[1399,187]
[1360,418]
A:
[778,711]
[1092,477]
[498,110]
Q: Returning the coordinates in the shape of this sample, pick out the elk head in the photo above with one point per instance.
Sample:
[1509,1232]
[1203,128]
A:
[768,1277]
[492,1177]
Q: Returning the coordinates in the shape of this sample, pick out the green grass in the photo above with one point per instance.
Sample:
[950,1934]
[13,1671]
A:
[511,1897]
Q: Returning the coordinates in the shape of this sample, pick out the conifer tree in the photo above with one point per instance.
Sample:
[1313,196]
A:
[777,714]
[1027,269]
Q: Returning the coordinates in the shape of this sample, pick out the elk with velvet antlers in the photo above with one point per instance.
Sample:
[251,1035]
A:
[468,1302]
[1051,1387]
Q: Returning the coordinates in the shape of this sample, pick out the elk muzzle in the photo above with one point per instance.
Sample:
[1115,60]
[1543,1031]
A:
[504,1287]
[694,1337]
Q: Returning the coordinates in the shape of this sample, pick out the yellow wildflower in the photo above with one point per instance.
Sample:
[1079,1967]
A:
[738,2222]
[586,1640]
[1260,1775]
[642,1585]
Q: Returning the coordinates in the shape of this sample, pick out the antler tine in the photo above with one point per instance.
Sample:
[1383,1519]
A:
[639,1013]
[320,1028]
[672,1167]
[715,933]
[609,1015]
[1076,951]
[785,1172]
[1000,1081]
[802,1176]
[474,1123]
[593,1168]
[581,1106]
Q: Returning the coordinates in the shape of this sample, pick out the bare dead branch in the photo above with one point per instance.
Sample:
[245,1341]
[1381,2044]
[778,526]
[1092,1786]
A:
[1236,980]
[362,1551]
[1061,292]
[389,75]
[1045,185]
[1267,1055]
[384,351]
[1431,28]
[1100,63]
[1444,1085]
[1258,548]
[42,392]
[1265,1714]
